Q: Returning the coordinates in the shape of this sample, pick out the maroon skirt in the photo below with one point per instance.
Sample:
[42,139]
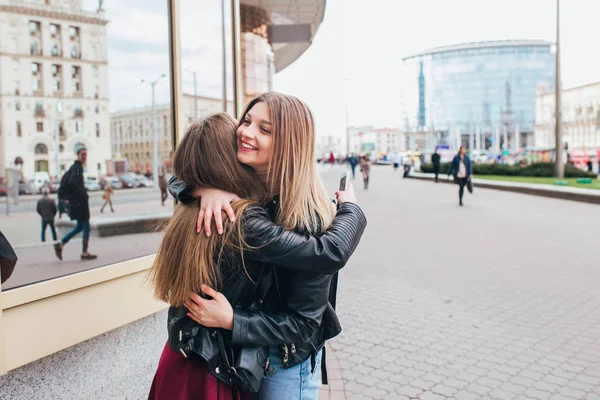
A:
[180,378]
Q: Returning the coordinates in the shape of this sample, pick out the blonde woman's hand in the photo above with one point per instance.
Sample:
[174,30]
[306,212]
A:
[347,196]
[212,201]
[212,313]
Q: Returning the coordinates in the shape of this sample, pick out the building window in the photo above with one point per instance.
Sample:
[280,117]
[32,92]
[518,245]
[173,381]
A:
[61,148]
[33,26]
[19,129]
[54,50]
[35,85]
[74,52]
[40,127]
[35,68]
[73,32]
[97,108]
[17,85]
[99,167]
[53,29]
[95,68]
[55,86]
[41,148]
[97,92]
[18,105]
[33,47]
[97,129]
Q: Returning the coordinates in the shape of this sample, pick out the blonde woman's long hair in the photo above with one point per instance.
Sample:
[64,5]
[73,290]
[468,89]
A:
[186,259]
[304,203]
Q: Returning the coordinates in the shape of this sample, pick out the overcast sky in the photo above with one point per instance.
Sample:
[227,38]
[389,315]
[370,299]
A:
[363,41]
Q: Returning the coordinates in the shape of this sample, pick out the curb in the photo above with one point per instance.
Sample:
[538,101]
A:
[581,197]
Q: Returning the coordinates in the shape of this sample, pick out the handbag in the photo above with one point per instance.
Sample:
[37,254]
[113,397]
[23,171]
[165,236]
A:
[470,186]
[246,366]
[8,259]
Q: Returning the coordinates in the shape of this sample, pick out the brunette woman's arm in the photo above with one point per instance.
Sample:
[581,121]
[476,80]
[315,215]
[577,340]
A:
[326,254]
[182,192]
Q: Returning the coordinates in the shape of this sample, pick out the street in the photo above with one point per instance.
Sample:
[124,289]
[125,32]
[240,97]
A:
[493,300]
[497,299]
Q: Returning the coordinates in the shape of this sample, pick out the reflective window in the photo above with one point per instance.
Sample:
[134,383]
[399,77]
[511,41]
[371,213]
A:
[85,59]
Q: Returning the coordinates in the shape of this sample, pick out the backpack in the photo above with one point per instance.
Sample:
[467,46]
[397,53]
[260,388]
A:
[63,192]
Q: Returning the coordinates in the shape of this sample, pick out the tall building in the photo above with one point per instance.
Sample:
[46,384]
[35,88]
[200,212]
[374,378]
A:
[131,132]
[377,142]
[53,86]
[580,118]
[455,90]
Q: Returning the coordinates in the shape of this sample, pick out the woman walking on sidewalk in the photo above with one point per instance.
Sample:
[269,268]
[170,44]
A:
[365,167]
[107,196]
[461,169]
[234,262]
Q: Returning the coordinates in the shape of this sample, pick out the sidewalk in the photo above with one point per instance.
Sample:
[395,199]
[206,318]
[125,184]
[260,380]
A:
[550,191]
[24,229]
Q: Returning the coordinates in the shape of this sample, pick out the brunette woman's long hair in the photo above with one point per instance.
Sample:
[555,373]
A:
[205,157]
[304,203]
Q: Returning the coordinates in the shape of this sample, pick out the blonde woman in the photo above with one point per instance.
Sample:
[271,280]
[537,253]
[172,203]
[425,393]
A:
[233,262]
[275,138]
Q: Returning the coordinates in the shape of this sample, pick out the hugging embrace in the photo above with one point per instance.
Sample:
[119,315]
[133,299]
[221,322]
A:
[252,304]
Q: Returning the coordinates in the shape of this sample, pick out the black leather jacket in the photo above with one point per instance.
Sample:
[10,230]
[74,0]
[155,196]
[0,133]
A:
[300,317]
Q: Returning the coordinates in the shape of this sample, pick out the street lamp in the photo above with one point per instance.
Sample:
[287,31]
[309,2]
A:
[559,167]
[347,81]
[154,133]
[58,111]
[195,94]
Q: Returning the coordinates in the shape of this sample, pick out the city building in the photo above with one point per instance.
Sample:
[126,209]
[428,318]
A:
[329,144]
[485,87]
[53,86]
[580,118]
[377,141]
[131,132]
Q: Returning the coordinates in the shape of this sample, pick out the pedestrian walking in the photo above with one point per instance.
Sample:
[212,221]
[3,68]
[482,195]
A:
[47,209]
[365,168]
[331,159]
[435,160]
[73,189]
[462,171]
[353,161]
[163,185]
[8,259]
[396,160]
[107,196]
[590,166]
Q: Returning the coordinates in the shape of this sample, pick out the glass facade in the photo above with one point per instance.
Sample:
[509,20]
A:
[459,88]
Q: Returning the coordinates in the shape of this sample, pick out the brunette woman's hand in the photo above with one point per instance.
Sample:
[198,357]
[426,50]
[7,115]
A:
[213,313]
[212,201]
[347,196]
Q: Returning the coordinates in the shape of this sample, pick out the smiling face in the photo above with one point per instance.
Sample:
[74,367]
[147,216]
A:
[255,138]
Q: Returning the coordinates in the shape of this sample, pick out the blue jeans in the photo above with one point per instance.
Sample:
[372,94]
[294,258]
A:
[82,225]
[44,226]
[296,383]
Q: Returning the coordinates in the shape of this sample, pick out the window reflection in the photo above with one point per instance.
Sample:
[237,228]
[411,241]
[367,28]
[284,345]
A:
[75,78]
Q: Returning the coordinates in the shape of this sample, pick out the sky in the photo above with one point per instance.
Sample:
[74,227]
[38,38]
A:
[355,60]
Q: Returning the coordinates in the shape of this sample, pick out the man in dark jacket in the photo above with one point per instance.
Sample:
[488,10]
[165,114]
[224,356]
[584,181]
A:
[73,189]
[435,160]
[46,207]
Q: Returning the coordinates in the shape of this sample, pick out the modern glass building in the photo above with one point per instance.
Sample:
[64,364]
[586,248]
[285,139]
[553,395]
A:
[482,86]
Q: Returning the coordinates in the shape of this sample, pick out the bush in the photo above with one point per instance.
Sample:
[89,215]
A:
[535,170]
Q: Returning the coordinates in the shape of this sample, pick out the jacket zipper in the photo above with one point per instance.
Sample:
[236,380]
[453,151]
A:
[286,353]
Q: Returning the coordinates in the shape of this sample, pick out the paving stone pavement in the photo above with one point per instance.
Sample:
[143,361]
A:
[494,300]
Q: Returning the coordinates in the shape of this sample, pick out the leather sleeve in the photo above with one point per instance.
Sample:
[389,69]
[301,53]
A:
[283,248]
[181,191]
[305,299]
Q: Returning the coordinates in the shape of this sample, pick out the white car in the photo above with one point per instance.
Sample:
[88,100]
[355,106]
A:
[91,185]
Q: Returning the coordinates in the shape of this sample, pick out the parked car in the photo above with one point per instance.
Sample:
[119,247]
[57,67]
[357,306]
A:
[143,181]
[53,186]
[128,182]
[30,187]
[91,185]
[3,190]
[113,181]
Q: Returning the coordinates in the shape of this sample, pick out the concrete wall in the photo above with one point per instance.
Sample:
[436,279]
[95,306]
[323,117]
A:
[119,364]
